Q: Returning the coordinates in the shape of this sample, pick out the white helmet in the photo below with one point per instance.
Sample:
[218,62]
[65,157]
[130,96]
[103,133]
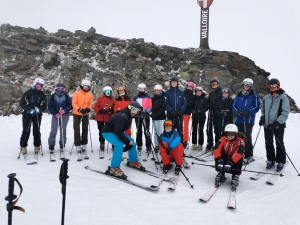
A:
[38,80]
[141,87]
[86,83]
[158,87]
[107,90]
[231,128]
[248,82]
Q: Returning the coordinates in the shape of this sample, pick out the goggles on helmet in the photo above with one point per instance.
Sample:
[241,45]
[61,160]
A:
[190,84]
[214,83]
[229,133]
[246,83]
[168,123]
[60,88]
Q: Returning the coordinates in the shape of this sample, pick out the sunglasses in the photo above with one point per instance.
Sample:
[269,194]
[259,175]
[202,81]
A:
[230,133]
[214,83]
[60,88]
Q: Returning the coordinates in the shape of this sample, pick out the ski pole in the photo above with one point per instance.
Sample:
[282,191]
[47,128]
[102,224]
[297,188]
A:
[188,144]
[62,131]
[11,204]
[28,128]
[251,171]
[253,147]
[63,176]
[38,123]
[187,179]
[284,151]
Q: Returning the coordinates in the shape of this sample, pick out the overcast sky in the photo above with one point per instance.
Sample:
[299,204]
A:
[266,31]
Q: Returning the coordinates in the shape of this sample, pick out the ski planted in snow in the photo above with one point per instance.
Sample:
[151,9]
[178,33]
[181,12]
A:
[208,195]
[232,201]
[148,188]
[28,161]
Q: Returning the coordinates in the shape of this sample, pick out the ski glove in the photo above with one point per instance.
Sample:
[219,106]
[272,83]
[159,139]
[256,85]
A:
[61,111]
[102,111]
[57,115]
[262,121]
[168,150]
[110,110]
[88,110]
[273,125]
[245,113]
[238,114]
[145,114]
[224,113]
[32,111]
[127,148]
[83,111]
[227,167]
[220,164]
[37,110]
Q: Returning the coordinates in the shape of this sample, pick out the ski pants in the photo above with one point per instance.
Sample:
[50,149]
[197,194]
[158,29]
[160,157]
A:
[36,123]
[247,129]
[100,126]
[118,150]
[62,123]
[139,135]
[212,126]
[159,129]
[279,156]
[236,168]
[176,155]
[198,127]
[84,120]
[186,121]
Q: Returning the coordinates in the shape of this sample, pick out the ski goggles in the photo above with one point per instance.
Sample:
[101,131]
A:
[135,110]
[168,123]
[273,85]
[199,89]
[38,84]
[214,83]
[121,89]
[141,89]
[86,86]
[228,133]
[190,84]
[246,83]
[60,88]
[107,92]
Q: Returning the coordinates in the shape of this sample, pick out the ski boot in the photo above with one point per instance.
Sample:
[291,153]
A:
[83,152]
[219,179]
[280,167]
[184,145]
[78,150]
[200,147]
[102,145]
[156,149]
[24,150]
[194,147]
[177,170]
[234,182]
[270,165]
[36,149]
[166,168]
[116,172]
[51,147]
[136,165]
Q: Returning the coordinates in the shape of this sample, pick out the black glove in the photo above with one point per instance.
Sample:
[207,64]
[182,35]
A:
[220,164]
[127,147]
[273,125]
[110,110]
[238,114]
[262,121]
[245,113]
[224,113]
[227,167]
[88,110]
[168,150]
[83,111]
[179,113]
[174,113]
[102,111]
[145,114]
[151,115]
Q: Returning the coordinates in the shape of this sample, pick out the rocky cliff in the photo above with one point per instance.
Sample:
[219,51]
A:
[67,57]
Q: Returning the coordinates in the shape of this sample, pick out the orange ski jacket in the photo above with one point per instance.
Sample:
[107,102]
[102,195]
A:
[83,100]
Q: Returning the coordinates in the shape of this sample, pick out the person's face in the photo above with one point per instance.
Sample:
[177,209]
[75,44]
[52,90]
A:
[189,88]
[225,94]
[174,83]
[230,135]
[214,85]
[157,92]
[199,93]
[86,87]
[168,128]
[246,87]
[38,86]
[273,87]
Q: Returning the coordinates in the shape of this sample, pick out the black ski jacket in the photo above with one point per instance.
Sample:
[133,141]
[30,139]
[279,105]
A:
[224,105]
[189,99]
[31,99]
[213,97]
[158,107]
[200,106]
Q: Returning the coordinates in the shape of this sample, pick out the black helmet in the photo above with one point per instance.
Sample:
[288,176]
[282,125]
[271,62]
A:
[174,79]
[60,85]
[135,107]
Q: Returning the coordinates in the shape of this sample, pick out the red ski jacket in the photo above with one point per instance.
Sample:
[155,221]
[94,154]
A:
[106,103]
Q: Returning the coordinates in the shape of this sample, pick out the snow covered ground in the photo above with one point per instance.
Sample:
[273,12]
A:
[96,199]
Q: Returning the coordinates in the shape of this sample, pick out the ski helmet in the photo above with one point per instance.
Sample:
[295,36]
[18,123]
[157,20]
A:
[107,90]
[198,89]
[174,79]
[141,87]
[226,90]
[134,107]
[86,83]
[190,84]
[231,129]
[273,83]
[248,82]
[158,87]
[38,81]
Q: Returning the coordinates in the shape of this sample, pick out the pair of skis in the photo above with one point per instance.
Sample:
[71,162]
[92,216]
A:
[82,155]
[273,178]
[53,155]
[32,161]
[210,193]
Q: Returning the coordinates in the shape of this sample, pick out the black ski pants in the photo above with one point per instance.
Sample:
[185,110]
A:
[100,126]
[84,120]
[279,156]
[198,127]
[247,129]
[236,168]
[27,120]
[139,135]
[212,126]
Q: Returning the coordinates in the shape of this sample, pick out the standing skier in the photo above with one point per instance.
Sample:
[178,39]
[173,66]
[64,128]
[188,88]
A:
[189,98]
[171,148]
[59,106]
[104,109]
[274,113]
[33,103]
[114,132]
[82,104]
[245,106]
[214,96]
[228,153]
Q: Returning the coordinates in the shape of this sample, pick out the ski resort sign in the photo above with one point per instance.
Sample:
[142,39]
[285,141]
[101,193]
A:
[204,22]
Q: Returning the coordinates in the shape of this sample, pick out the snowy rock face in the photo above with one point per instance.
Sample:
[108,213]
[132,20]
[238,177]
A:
[67,57]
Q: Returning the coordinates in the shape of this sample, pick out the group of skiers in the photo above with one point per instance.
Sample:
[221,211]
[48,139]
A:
[230,120]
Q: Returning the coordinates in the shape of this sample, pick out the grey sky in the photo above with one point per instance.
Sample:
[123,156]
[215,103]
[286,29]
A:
[266,31]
